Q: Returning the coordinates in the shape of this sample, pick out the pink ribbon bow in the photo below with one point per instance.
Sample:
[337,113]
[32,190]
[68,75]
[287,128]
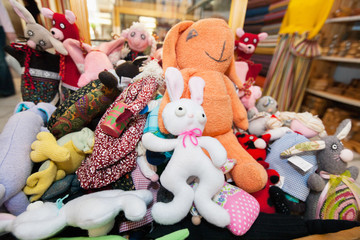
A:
[192,134]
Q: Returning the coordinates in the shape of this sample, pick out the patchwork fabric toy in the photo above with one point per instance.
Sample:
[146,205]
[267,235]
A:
[62,157]
[334,192]
[138,40]
[94,212]
[64,27]
[205,49]
[82,108]
[15,163]
[186,119]
[40,79]
[113,157]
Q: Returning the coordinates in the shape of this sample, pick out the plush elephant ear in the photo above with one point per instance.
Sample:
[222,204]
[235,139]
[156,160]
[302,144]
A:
[169,48]
[343,129]
[23,106]
[304,147]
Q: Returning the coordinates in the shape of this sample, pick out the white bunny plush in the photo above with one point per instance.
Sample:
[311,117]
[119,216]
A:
[186,119]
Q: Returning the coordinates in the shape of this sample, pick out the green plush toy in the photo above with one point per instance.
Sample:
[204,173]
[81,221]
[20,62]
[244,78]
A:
[62,157]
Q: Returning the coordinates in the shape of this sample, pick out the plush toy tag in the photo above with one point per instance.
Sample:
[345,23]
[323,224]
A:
[300,163]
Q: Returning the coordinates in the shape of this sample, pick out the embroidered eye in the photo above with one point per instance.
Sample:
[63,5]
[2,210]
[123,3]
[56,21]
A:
[193,33]
[143,36]
[246,39]
[255,40]
[42,43]
[180,111]
[62,25]
[201,117]
[53,22]
[30,33]
[251,137]
[132,34]
[334,146]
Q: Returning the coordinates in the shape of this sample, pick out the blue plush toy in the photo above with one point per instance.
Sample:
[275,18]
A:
[15,164]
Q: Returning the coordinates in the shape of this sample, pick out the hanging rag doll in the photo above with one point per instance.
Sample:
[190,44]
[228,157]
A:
[138,40]
[40,79]
[64,27]
[114,156]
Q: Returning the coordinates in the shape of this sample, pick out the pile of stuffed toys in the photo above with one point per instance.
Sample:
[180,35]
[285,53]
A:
[130,141]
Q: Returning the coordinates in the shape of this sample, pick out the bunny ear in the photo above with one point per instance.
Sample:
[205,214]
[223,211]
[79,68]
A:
[343,129]
[196,86]
[174,83]
[47,12]
[75,51]
[22,12]
[304,147]
[239,32]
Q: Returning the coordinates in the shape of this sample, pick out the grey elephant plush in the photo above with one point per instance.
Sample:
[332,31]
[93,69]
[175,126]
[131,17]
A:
[334,193]
[15,164]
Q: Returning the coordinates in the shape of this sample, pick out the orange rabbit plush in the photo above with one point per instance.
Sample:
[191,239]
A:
[205,49]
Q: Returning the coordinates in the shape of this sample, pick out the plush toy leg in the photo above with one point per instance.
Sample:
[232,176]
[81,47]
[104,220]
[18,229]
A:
[39,182]
[17,204]
[211,211]
[172,212]
[247,173]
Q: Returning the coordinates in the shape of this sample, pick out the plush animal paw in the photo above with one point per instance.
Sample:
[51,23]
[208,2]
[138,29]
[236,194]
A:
[46,147]
[39,182]
[251,177]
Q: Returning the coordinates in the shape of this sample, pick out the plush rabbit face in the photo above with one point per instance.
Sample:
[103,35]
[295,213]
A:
[182,115]
[39,38]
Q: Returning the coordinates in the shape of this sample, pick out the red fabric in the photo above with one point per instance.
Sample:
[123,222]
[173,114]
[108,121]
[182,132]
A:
[113,157]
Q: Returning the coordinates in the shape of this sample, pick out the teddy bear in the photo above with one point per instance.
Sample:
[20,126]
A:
[64,27]
[205,49]
[334,193]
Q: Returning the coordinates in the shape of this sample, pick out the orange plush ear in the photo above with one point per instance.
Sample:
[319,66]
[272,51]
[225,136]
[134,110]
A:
[169,48]
[231,73]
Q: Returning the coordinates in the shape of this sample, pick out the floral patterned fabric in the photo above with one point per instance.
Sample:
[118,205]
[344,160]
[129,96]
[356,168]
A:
[42,90]
[113,157]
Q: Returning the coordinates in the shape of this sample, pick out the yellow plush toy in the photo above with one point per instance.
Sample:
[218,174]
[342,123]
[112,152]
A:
[62,157]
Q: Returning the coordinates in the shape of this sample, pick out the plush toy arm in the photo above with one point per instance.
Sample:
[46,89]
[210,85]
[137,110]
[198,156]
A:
[75,51]
[354,172]
[316,182]
[239,111]
[156,144]
[46,147]
[217,152]
[278,132]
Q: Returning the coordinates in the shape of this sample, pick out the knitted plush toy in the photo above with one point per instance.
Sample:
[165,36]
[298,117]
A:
[113,157]
[64,27]
[334,193]
[40,79]
[267,104]
[245,47]
[15,163]
[205,49]
[62,157]
[94,212]
[186,119]
[138,40]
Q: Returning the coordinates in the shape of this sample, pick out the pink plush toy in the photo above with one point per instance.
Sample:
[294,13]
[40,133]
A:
[96,59]
[64,27]
[138,40]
